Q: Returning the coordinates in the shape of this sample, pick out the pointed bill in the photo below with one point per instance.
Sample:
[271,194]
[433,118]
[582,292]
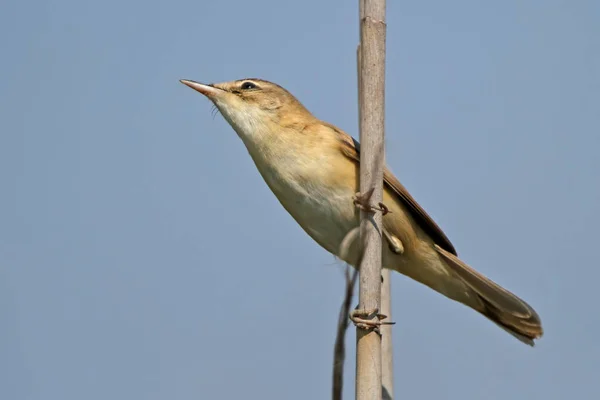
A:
[207,90]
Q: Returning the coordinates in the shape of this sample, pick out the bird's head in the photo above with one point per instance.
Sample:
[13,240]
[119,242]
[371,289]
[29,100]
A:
[254,106]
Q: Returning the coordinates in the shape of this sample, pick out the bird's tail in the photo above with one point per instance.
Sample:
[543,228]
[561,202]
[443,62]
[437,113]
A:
[498,304]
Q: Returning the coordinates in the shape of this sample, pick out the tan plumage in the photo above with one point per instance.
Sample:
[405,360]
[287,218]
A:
[312,168]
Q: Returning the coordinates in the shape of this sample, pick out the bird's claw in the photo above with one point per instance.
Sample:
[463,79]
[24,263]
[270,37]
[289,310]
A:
[362,201]
[361,319]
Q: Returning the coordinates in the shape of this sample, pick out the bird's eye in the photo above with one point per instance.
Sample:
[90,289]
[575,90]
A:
[248,86]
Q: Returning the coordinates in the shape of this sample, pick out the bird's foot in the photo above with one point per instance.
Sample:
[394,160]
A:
[362,201]
[362,319]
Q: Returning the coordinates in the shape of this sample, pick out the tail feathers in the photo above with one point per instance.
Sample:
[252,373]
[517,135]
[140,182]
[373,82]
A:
[516,327]
[499,305]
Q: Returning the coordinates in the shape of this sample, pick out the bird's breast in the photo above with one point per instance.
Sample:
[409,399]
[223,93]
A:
[315,192]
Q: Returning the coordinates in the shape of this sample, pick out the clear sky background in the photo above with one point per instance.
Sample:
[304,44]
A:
[143,257]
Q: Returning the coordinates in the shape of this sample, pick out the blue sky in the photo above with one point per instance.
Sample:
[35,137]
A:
[142,256]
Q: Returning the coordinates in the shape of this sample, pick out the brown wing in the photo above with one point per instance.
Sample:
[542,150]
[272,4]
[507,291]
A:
[351,149]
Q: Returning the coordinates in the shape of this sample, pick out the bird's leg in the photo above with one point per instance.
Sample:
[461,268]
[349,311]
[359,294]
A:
[361,319]
[394,243]
[362,201]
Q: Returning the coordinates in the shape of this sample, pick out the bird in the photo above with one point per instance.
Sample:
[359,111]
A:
[312,167]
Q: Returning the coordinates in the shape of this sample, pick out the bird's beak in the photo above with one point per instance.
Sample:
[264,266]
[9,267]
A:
[207,90]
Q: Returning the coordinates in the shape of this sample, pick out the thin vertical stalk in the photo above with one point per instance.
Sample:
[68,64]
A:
[387,364]
[372,118]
